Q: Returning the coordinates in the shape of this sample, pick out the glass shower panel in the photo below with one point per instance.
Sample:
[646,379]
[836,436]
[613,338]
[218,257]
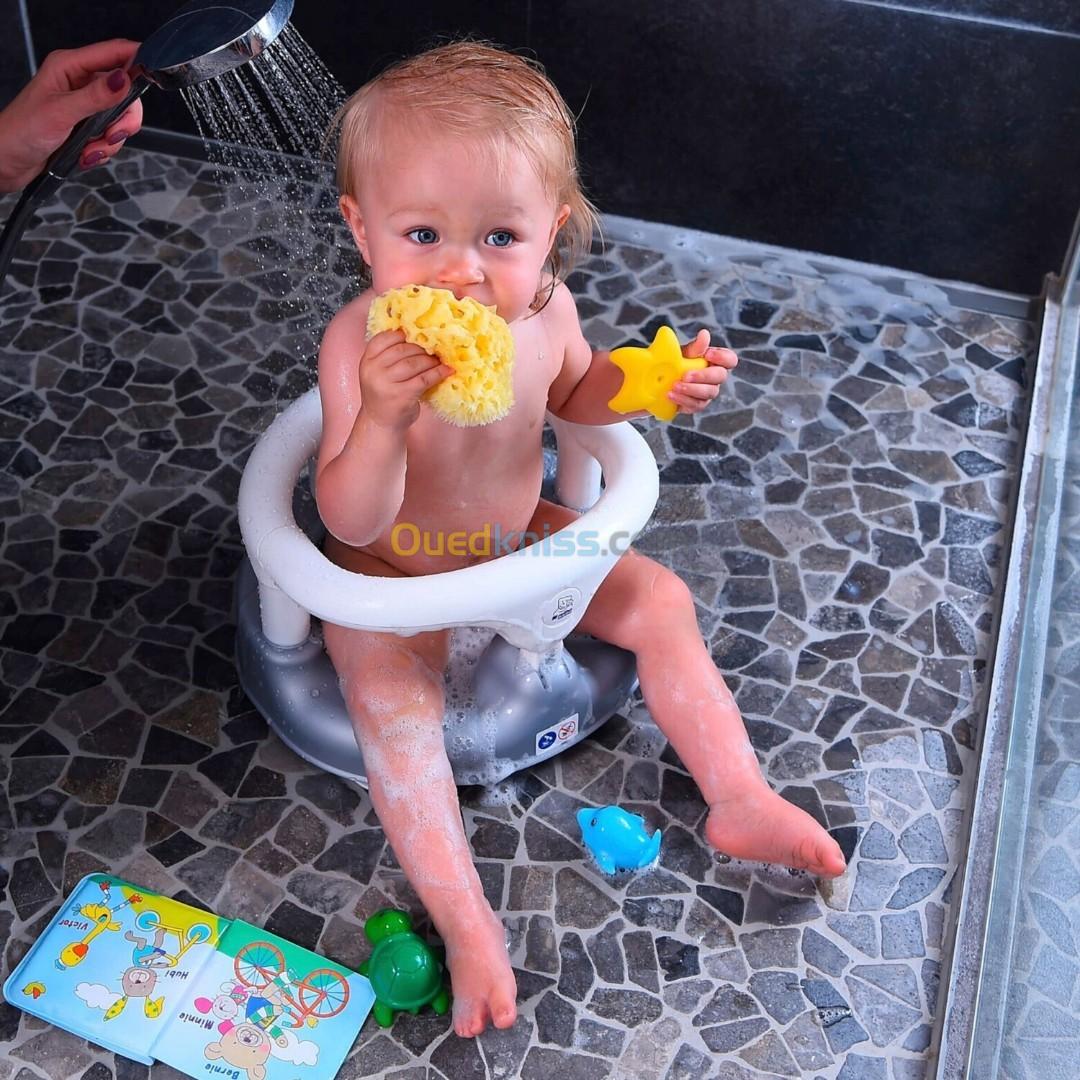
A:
[1027,1015]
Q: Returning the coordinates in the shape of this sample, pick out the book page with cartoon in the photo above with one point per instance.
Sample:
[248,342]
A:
[263,1008]
[113,964]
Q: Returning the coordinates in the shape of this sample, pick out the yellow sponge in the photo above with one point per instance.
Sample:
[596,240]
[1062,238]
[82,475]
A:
[464,334]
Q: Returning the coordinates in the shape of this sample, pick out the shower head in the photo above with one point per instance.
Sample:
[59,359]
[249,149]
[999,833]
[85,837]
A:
[204,39]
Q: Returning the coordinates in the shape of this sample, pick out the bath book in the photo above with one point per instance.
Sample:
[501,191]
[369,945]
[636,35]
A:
[157,980]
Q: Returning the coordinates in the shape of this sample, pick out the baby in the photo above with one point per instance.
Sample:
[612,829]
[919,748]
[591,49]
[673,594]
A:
[457,170]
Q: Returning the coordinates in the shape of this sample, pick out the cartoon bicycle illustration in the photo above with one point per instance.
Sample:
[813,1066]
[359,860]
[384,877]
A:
[322,993]
[149,922]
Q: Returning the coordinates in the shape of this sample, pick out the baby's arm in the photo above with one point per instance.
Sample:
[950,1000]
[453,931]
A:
[589,380]
[370,396]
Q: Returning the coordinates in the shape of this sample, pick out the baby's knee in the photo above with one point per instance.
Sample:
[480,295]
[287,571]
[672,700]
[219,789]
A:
[665,594]
[382,681]
[659,598]
[385,693]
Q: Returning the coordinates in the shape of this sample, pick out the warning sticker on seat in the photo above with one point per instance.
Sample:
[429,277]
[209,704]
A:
[549,740]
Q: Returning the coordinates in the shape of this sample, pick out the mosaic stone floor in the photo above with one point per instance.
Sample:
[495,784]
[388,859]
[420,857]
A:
[839,516]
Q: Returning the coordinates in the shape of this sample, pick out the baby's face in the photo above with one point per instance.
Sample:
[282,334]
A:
[437,214]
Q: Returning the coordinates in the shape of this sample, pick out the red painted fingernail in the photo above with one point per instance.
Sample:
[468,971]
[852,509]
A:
[93,159]
[117,137]
[116,80]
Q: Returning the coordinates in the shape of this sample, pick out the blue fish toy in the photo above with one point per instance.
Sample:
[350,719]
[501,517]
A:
[617,840]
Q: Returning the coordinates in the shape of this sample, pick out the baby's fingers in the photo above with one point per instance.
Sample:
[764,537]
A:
[710,376]
[722,357]
[384,351]
[695,391]
[433,375]
[686,403]
[410,365]
[693,397]
[698,347]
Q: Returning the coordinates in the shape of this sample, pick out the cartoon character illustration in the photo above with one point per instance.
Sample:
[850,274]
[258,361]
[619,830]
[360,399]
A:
[101,915]
[148,956]
[245,1046]
[144,955]
[226,1006]
[249,1043]
[137,982]
[140,979]
[236,1000]
[34,989]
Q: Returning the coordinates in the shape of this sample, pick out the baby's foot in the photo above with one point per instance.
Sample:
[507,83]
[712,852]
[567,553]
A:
[481,978]
[753,822]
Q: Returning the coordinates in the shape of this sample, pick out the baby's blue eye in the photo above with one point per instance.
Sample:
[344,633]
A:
[500,238]
[423,235]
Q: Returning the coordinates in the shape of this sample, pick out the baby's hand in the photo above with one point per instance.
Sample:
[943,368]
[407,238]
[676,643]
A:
[394,375]
[693,392]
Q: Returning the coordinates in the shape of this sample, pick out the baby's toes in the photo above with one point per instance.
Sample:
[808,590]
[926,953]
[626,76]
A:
[832,860]
[820,856]
[469,1018]
[503,1009]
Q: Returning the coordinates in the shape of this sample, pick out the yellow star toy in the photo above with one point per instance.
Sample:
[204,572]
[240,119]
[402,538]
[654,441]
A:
[648,375]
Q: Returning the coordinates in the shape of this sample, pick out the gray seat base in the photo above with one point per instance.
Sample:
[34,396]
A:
[501,715]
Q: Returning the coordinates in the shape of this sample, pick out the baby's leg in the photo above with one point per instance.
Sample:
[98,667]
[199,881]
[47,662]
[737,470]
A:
[643,607]
[393,687]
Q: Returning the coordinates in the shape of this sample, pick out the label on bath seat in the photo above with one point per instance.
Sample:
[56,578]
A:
[552,738]
[561,606]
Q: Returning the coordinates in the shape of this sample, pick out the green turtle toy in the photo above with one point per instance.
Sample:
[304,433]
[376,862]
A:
[404,972]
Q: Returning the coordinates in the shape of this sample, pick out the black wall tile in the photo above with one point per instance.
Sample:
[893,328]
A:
[356,40]
[943,146]
[14,64]
[1062,16]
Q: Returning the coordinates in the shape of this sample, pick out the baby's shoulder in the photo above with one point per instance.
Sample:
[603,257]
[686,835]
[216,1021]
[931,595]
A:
[562,306]
[353,315]
[345,330]
[561,319]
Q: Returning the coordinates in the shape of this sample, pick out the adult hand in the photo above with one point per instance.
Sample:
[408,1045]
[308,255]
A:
[70,85]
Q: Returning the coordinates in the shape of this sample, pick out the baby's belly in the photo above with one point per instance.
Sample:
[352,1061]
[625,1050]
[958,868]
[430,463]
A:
[439,531]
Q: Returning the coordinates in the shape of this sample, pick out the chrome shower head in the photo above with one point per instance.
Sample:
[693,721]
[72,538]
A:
[204,39]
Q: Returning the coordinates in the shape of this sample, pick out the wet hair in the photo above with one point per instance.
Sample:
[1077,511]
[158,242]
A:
[493,99]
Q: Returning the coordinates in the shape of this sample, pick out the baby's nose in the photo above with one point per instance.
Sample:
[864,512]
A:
[460,268]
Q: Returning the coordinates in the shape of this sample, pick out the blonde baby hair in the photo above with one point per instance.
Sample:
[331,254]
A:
[490,97]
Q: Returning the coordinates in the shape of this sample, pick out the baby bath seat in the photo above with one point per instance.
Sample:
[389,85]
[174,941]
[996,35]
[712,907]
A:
[525,697]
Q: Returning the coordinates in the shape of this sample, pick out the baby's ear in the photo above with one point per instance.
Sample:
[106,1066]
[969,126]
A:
[561,218]
[350,211]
